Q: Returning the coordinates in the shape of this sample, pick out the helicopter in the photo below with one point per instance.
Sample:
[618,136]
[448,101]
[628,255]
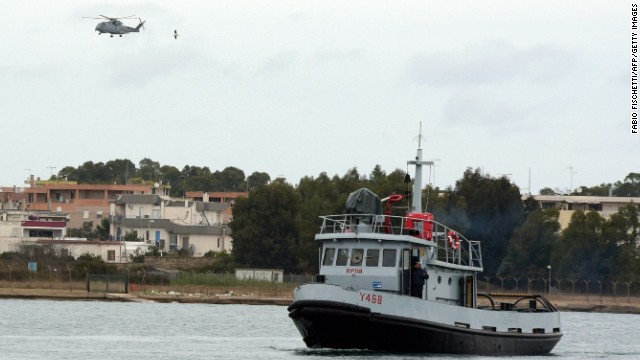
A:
[114,26]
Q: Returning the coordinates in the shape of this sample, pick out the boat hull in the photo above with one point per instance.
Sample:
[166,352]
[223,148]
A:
[338,325]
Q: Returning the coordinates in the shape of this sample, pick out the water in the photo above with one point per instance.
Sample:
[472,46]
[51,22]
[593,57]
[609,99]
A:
[47,329]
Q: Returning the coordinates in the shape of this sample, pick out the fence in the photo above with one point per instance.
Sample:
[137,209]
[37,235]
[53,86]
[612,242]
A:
[61,276]
[586,289]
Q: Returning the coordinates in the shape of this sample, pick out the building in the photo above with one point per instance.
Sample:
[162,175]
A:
[222,197]
[171,225]
[17,226]
[568,204]
[42,214]
[83,202]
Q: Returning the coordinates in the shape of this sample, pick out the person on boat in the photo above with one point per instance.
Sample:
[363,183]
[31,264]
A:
[418,276]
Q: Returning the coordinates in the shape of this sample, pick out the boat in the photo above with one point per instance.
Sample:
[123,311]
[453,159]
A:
[363,296]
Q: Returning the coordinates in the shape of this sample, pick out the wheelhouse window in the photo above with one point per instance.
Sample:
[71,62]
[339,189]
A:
[356,257]
[373,257]
[389,257]
[343,256]
[328,256]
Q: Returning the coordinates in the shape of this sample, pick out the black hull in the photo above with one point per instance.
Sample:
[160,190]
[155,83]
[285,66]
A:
[327,324]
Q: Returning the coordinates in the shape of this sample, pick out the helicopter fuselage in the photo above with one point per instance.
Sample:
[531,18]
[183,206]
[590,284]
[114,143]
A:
[115,27]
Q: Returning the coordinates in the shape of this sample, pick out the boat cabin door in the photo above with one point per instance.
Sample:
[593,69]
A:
[406,272]
[469,292]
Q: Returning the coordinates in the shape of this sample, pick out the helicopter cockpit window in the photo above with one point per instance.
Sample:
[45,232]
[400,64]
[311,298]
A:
[343,256]
[356,257]
[328,257]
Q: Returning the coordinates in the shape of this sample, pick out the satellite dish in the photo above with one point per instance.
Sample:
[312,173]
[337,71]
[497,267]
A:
[579,190]
[156,185]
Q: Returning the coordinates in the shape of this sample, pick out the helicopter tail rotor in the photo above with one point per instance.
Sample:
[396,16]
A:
[141,25]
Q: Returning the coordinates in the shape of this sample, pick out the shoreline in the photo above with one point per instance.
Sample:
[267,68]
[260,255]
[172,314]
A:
[58,294]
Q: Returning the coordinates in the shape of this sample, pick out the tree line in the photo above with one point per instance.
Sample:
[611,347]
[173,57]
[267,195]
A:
[274,227]
[629,187]
[190,178]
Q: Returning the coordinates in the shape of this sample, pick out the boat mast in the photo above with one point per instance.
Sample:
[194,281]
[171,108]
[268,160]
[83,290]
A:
[416,202]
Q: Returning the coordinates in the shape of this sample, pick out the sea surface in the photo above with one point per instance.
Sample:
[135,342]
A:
[50,329]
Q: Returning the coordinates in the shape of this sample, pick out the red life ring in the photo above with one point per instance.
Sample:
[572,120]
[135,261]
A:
[454,239]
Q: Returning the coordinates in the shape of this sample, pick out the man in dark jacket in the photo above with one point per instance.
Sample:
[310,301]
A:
[418,276]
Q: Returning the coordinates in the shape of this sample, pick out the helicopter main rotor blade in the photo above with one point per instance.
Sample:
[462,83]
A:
[118,18]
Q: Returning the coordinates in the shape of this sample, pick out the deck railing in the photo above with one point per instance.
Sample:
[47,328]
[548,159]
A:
[468,253]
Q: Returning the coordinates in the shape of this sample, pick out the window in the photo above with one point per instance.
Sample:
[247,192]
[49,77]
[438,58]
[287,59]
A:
[328,256]
[356,257]
[596,207]
[111,255]
[548,205]
[389,258]
[85,214]
[343,256]
[99,214]
[373,257]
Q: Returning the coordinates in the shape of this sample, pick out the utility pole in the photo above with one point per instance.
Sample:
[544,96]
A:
[571,172]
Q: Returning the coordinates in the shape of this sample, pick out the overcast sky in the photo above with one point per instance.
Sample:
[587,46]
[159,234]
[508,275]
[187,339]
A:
[296,88]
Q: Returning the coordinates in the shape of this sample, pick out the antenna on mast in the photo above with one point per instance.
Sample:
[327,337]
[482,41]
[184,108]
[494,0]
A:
[416,203]
[420,137]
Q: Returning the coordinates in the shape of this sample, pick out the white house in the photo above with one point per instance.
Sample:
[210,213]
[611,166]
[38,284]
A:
[171,224]
[17,226]
[568,204]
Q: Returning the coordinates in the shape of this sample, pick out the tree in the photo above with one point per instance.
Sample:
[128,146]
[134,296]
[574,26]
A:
[102,230]
[494,210]
[132,236]
[600,190]
[68,173]
[264,228]
[86,231]
[547,191]
[581,249]
[256,179]
[90,173]
[529,250]
[629,187]
[120,170]
[232,178]
[90,264]
[621,243]
[171,176]
[149,170]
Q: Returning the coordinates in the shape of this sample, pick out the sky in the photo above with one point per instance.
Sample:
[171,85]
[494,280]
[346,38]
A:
[538,91]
